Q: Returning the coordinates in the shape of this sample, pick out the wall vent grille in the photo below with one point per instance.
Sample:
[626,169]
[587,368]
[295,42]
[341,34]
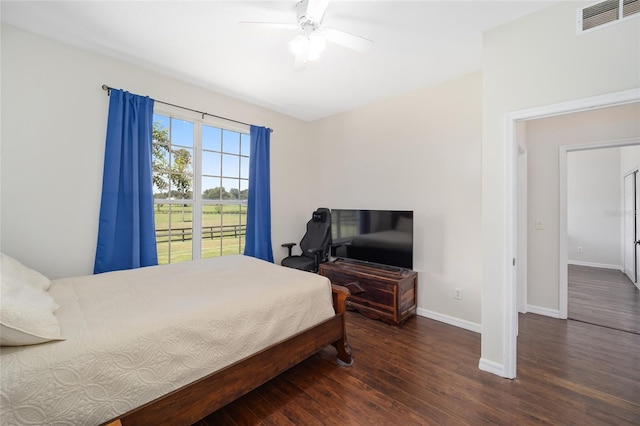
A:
[606,12]
[630,7]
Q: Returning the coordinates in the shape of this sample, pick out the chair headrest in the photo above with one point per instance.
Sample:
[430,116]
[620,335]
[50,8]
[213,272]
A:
[319,216]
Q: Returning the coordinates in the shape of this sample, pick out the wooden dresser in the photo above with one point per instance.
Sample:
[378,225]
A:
[377,291]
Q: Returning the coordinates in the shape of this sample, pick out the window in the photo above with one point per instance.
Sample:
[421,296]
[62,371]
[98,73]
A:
[196,157]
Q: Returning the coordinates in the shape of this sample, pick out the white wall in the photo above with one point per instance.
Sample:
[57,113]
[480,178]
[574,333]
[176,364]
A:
[535,61]
[420,152]
[54,115]
[593,201]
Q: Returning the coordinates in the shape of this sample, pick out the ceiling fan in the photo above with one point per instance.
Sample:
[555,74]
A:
[313,37]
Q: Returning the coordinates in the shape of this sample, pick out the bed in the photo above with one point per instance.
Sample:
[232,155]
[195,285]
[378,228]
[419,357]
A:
[171,343]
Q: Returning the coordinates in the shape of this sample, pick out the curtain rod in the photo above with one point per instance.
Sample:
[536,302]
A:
[108,90]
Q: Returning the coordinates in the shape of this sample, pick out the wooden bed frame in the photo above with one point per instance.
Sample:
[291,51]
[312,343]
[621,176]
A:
[197,400]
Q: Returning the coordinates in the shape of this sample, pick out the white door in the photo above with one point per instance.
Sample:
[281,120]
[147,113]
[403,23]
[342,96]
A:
[630,225]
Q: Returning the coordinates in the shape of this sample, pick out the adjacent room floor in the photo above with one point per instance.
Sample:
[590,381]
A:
[605,297]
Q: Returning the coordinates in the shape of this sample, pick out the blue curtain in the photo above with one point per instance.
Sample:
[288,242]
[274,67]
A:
[126,231]
[258,238]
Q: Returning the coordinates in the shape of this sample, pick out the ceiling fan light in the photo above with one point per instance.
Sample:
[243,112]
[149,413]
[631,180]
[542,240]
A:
[317,43]
[298,45]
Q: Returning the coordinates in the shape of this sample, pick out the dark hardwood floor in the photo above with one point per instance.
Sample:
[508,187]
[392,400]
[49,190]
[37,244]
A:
[569,373]
[604,297]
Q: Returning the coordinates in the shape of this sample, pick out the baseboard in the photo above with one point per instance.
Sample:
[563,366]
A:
[553,313]
[457,322]
[595,265]
[491,367]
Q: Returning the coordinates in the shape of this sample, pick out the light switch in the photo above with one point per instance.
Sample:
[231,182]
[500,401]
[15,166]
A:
[539,225]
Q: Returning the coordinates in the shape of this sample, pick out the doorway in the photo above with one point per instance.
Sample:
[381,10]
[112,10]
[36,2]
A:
[508,368]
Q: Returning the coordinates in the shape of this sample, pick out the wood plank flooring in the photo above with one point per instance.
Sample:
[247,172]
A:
[426,373]
[604,297]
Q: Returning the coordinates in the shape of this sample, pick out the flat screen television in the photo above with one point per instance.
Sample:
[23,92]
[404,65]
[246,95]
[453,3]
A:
[378,236]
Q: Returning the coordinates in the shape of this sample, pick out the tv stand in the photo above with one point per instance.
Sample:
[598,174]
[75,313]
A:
[384,292]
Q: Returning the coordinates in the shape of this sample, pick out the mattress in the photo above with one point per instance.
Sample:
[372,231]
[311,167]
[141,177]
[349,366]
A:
[133,336]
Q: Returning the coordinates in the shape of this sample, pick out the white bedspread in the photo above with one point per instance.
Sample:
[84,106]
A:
[132,336]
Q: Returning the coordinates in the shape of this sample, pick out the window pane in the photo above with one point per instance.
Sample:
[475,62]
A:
[244,189]
[181,185]
[244,167]
[211,138]
[211,230]
[160,158]
[230,165]
[211,188]
[231,186]
[243,217]
[182,160]
[245,144]
[182,173]
[234,230]
[210,163]
[181,132]
[160,185]
[230,142]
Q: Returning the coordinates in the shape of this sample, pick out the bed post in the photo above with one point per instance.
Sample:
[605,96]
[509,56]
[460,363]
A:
[340,296]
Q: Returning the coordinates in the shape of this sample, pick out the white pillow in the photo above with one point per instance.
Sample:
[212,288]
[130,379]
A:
[14,272]
[26,309]
[27,316]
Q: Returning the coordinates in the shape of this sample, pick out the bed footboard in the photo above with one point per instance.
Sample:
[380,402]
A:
[340,296]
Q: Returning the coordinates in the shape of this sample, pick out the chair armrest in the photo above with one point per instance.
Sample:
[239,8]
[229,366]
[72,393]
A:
[288,245]
[317,254]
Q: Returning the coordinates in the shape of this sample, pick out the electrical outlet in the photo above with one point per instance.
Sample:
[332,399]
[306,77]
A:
[458,294]
[579,249]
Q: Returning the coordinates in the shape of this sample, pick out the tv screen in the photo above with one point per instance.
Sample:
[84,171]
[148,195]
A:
[378,236]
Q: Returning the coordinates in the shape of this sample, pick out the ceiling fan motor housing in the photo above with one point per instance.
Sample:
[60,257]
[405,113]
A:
[307,21]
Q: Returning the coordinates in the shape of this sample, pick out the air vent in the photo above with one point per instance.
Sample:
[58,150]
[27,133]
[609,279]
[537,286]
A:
[606,12]
[630,7]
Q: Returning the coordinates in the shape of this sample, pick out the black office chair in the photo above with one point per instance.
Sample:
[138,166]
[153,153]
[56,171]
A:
[314,245]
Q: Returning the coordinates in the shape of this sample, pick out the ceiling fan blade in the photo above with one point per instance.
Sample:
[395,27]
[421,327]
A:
[347,40]
[276,25]
[316,9]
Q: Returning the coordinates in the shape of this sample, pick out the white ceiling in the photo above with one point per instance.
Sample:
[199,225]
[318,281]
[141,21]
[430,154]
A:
[417,43]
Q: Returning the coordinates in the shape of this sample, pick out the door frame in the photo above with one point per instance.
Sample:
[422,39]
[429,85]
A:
[510,192]
[563,269]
